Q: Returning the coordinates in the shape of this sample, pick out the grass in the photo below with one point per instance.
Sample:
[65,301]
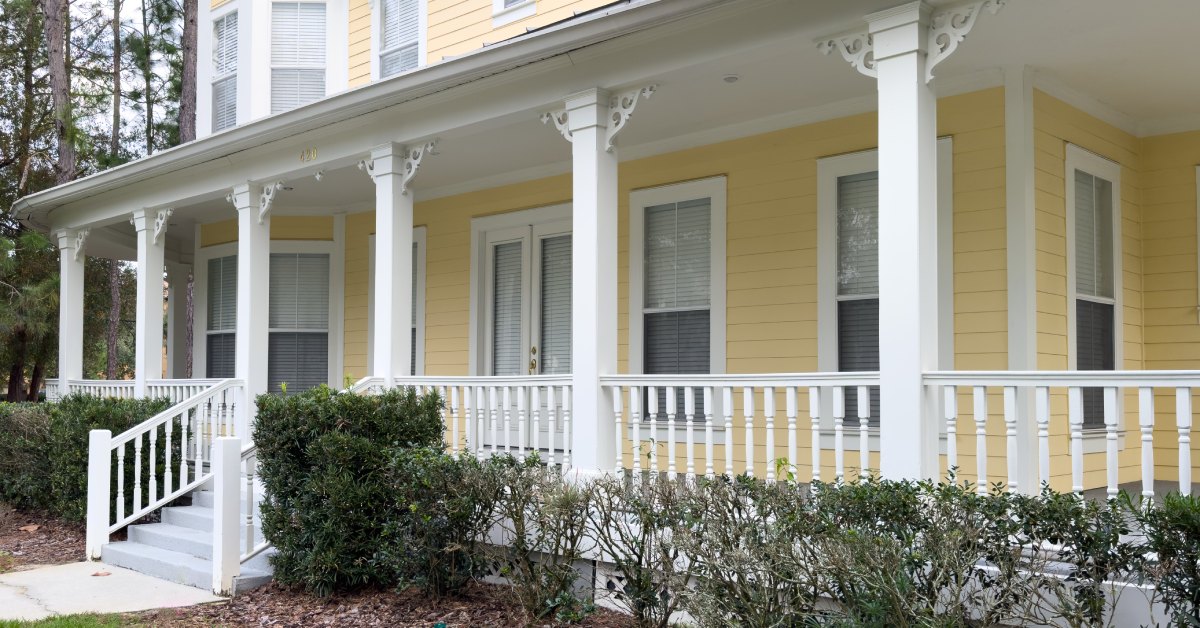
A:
[7,562]
[68,621]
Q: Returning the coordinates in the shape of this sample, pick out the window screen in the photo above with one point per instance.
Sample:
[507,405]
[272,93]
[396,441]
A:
[507,356]
[222,317]
[225,58]
[399,37]
[555,332]
[298,315]
[858,281]
[297,54]
[1094,286]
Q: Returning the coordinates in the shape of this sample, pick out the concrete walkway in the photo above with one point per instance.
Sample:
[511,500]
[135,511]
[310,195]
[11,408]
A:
[68,589]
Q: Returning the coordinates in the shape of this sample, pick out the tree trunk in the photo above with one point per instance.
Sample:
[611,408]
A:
[55,21]
[114,318]
[35,381]
[148,76]
[16,373]
[29,105]
[187,95]
[114,140]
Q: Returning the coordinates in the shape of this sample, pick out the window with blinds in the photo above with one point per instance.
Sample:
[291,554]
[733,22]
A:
[297,54]
[225,61]
[555,314]
[298,318]
[858,281]
[399,36]
[1095,301]
[507,290]
[678,284]
[222,317]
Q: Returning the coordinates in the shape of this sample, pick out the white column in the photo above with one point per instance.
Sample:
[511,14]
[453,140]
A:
[393,263]
[253,283]
[148,335]
[594,279]
[177,280]
[70,306]
[908,263]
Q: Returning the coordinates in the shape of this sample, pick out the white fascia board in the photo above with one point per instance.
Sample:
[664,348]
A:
[499,58]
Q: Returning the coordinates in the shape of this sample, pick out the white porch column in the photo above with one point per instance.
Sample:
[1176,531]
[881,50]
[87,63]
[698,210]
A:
[593,278]
[392,167]
[908,262]
[148,336]
[253,284]
[177,281]
[70,308]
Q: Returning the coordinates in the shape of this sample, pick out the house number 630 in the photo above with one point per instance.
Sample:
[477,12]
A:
[308,154]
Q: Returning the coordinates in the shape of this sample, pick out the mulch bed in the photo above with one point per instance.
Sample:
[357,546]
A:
[274,605]
[29,538]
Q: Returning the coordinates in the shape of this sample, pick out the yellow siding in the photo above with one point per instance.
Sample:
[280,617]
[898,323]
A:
[1055,125]
[219,3]
[282,228]
[1172,330]
[460,26]
[359,43]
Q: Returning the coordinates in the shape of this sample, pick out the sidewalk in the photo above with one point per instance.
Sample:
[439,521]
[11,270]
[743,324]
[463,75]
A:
[67,589]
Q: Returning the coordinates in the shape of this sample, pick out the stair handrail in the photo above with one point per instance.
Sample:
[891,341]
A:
[172,412]
[366,384]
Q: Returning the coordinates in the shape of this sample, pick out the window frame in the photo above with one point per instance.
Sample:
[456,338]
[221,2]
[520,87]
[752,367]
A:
[214,78]
[330,44]
[377,51]
[419,239]
[503,15]
[713,188]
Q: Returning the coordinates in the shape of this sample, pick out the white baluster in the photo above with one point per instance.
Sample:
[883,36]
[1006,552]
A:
[727,410]
[635,422]
[748,413]
[864,434]
[1146,422]
[137,473]
[491,390]
[814,413]
[507,420]
[169,426]
[469,418]
[791,410]
[708,432]
[652,402]
[615,391]
[454,420]
[689,417]
[481,413]
[1075,418]
[1110,436]
[566,396]
[1010,430]
[521,435]
[1183,424]
[183,447]
[981,461]
[552,419]
[120,481]
[1042,403]
[535,415]
[671,403]
[839,443]
[153,495]
[769,419]
[251,463]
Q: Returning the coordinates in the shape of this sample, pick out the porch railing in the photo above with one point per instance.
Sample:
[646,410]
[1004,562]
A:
[1058,411]
[176,390]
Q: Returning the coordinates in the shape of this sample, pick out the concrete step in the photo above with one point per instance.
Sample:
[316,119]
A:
[205,498]
[189,541]
[160,563]
[194,517]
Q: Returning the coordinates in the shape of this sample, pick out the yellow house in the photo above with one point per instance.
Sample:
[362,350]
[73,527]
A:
[792,239]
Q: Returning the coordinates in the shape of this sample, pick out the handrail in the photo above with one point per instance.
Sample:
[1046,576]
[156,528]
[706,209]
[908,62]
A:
[845,379]
[172,412]
[1053,379]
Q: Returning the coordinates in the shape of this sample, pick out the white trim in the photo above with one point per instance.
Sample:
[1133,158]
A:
[200,300]
[502,15]
[419,240]
[1197,191]
[377,41]
[479,333]
[337,46]
[713,188]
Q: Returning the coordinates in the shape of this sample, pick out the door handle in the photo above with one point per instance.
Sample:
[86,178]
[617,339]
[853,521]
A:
[533,361]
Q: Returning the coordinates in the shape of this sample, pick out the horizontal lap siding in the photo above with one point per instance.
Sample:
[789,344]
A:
[282,228]
[1172,331]
[1055,125]
[459,26]
[359,43]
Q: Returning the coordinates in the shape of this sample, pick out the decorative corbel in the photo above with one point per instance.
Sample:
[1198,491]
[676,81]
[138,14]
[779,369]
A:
[412,162]
[318,175]
[621,109]
[160,222]
[367,166]
[81,237]
[559,119]
[949,27]
[267,199]
[858,49]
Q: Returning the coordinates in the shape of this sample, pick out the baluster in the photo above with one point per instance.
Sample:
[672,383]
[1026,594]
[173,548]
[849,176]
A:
[1183,424]
[748,413]
[1075,418]
[689,417]
[1146,422]
[469,418]
[153,495]
[1042,403]
[183,448]
[1010,430]
[635,422]
[251,464]
[454,419]
[769,419]
[121,482]
[814,413]
[491,390]
[566,395]
[652,401]
[507,419]
[981,460]
[950,412]
[617,410]
[727,410]
[839,443]
[671,402]
[521,436]
[168,476]
[864,434]
[792,411]
[535,409]
[481,416]
[137,473]
[1110,437]
[708,432]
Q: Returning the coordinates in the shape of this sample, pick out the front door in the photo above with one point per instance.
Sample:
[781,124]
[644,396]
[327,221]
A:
[528,318]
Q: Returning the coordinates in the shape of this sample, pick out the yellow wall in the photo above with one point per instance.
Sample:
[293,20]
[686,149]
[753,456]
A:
[282,228]
[219,3]
[460,26]
[359,42]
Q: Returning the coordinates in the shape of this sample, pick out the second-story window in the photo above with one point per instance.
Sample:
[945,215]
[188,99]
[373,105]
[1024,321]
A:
[224,87]
[297,54]
[399,37]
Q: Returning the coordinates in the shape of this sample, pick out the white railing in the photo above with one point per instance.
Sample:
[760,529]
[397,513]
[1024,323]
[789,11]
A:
[253,543]
[178,390]
[515,415]
[734,413]
[1173,429]
[53,392]
[117,388]
[185,431]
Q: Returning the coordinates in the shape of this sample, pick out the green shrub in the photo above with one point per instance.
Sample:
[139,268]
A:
[324,460]
[1172,532]
[444,509]
[25,455]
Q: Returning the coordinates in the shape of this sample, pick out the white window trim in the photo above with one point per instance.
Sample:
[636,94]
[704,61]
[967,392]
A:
[715,189]
[1078,158]
[419,235]
[337,269]
[828,171]
[480,227]
[206,75]
[502,15]
[377,41]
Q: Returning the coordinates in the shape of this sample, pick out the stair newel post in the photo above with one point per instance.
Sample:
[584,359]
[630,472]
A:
[226,461]
[98,491]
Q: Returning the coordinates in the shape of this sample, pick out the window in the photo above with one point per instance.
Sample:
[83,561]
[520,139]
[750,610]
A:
[399,37]
[298,321]
[297,54]
[508,11]
[225,62]
[677,287]
[222,317]
[416,361]
[1094,275]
